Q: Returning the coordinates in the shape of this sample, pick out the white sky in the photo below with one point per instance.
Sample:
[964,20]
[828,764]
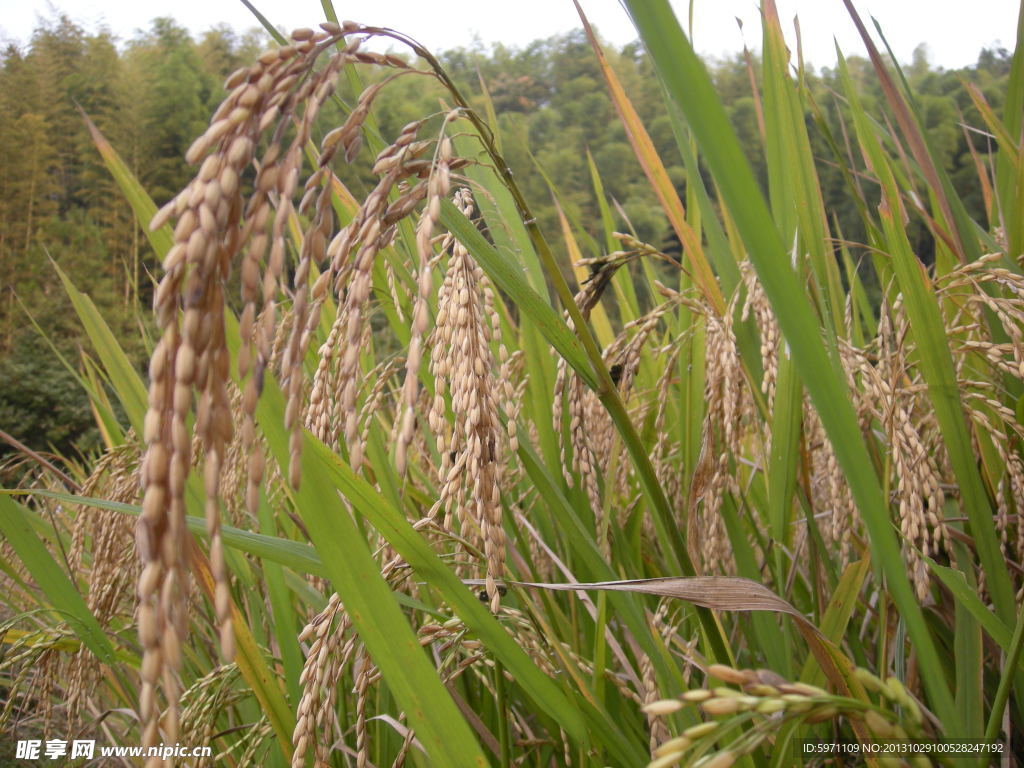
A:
[953,30]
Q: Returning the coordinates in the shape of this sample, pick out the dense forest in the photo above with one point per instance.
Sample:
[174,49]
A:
[151,95]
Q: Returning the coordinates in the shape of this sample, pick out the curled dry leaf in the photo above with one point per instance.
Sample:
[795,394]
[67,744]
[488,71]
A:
[721,593]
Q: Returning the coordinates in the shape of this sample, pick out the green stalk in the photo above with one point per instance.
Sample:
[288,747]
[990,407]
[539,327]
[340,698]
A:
[1006,680]
[502,702]
[600,648]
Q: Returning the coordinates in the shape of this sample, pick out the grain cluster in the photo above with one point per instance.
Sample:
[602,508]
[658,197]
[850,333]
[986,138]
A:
[251,188]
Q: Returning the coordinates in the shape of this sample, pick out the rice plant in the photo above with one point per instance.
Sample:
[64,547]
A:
[418,496]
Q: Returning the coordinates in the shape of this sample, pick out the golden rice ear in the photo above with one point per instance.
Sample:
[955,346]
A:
[463,366]
[331,647]
[438,185]
[218,222]
[266,122]
[729,406]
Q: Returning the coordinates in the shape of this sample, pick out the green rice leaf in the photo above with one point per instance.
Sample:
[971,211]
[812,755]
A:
[61,594]
[126,381]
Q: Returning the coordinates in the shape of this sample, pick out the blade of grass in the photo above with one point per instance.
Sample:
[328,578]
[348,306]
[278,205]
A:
[837,615]
[60,592]
[265,22]
[141,203]
[792,178]
[775,645]
[282,612]
[720,593]
[125,379]
[102,410]
[622,284]
[300,557]
[967,596]
[954,217]
[1010,190]
[1002,695]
